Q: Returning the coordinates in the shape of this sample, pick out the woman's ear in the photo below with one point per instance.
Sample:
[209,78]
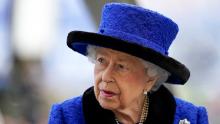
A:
[150,83]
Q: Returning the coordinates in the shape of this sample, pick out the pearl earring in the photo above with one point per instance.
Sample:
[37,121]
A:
[145,92]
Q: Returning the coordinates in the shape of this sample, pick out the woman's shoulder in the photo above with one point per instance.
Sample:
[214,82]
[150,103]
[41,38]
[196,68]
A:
[69,111]
[74,103]
[194,114]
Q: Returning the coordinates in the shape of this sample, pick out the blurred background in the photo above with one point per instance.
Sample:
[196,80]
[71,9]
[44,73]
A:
[37,69]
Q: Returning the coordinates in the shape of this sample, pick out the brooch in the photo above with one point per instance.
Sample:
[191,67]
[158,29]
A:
[184,121]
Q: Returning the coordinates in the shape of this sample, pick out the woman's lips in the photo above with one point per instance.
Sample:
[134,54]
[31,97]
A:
[106,93]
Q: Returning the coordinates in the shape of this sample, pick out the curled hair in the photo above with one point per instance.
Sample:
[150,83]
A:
[151,69]
[154,70]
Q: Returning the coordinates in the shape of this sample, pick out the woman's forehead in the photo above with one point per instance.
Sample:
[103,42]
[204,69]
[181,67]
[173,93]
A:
[114,53]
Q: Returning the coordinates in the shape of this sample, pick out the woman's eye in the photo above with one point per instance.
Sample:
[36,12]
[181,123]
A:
[121,66]
[100,60]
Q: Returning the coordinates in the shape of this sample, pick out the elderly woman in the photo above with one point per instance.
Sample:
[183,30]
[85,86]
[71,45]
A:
[130,53]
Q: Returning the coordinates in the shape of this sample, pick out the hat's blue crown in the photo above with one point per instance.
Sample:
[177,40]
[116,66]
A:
[138,25]
[137,31]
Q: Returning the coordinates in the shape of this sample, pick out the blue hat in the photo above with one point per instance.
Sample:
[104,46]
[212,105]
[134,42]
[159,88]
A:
[137,31]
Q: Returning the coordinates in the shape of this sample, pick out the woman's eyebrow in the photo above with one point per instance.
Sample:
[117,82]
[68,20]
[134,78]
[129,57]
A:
[125,59]
[100,51]
[101,54]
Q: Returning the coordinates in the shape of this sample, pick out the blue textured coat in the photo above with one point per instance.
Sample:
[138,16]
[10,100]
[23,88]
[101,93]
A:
[71,112]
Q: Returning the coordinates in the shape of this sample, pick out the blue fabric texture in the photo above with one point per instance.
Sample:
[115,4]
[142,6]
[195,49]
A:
[138,25]
[71,112]
[68,112]
[137,31]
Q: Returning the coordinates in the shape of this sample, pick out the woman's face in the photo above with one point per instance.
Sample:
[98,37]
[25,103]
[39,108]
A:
[120,79]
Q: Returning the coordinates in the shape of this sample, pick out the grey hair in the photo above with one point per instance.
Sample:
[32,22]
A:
[154,70]
[151,69]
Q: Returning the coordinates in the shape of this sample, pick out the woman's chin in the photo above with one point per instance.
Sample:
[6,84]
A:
[108,104]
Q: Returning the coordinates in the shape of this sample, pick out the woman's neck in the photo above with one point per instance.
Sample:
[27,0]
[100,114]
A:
[130,114]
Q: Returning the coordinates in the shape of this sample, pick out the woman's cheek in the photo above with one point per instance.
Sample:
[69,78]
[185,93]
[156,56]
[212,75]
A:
[97,79]
[96,90]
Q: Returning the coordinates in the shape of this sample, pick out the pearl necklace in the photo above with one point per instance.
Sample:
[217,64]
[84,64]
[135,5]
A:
[144,111]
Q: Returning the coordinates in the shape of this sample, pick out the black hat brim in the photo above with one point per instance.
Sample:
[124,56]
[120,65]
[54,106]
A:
[78,41]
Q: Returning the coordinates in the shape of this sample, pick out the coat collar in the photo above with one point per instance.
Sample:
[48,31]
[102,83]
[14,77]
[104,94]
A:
[162,108]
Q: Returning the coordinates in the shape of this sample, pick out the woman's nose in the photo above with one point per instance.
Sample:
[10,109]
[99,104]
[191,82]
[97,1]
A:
[108,74]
